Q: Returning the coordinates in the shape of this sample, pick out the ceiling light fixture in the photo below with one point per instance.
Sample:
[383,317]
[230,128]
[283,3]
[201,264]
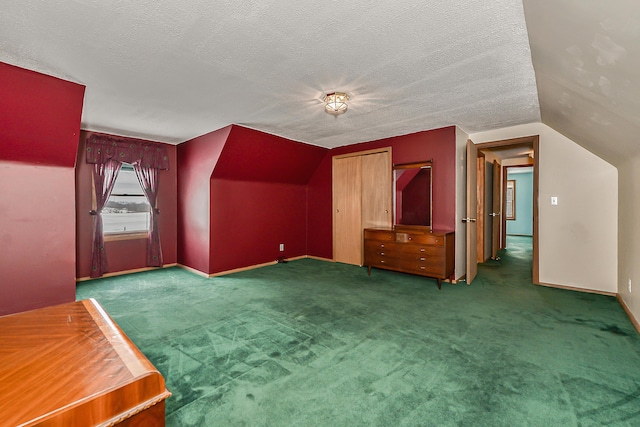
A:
[336,103]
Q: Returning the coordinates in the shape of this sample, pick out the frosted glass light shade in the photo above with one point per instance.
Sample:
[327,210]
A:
[336,102]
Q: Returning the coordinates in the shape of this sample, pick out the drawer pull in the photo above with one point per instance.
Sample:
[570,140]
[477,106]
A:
[382,246]
[381,261]
[421,249]
[382,253]
[422,258]
[422,267]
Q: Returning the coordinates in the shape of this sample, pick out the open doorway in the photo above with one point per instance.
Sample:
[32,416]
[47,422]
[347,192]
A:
[497,199]
[518,201]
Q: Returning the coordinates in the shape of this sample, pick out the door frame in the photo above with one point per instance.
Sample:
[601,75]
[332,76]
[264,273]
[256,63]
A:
[534,140]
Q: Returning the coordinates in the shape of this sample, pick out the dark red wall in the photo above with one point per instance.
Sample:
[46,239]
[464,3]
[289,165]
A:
[39,129]
[320,211]
[241,193]
[250,219]
[438,144]
[411,199]
[39,117]
[259,199]
[125,255]
[196,160]
[235,194]
[251,155]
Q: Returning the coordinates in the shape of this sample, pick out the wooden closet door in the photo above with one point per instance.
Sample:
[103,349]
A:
[377,196]
[347,210]
[362,198]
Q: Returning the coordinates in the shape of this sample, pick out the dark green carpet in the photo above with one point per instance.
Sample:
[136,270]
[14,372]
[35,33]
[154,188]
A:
[312,343]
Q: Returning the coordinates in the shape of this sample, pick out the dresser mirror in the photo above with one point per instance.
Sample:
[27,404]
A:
[412,194]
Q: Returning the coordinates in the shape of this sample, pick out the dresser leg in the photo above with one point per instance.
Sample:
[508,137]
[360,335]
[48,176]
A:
[369,270]
[439,283]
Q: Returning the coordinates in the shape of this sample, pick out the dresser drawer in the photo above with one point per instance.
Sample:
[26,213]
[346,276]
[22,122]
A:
[382,261]
[431,270]
[426,239]
[411,251]
[424,263]
[375,246]
[382,235]
[381,253]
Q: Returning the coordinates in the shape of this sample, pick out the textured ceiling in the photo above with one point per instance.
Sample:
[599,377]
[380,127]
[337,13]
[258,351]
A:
[586,55]
[170,70]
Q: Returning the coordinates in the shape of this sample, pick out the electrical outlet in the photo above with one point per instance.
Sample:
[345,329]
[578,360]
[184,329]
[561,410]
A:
[281,247]
[629,285]
[554,200]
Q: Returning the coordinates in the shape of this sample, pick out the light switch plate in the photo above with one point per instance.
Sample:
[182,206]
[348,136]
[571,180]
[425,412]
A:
[554,200]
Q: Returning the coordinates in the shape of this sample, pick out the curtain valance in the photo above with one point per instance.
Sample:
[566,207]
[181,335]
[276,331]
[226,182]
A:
[101,148]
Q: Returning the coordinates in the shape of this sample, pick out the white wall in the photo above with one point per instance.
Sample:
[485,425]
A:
[461,202]
[629,236]
[578,238]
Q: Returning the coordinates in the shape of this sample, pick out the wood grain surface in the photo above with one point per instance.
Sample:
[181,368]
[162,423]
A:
[71,365]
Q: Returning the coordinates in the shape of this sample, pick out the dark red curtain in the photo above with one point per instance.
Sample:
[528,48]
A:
[148,178]
[104,178]
[107,153]
[101,148]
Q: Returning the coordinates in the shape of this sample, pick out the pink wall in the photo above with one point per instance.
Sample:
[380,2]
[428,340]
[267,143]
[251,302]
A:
[125,254]
[438,144]
[38,143]
[196,160]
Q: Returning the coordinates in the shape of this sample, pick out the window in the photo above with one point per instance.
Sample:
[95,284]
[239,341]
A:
[511,199]
[127,210]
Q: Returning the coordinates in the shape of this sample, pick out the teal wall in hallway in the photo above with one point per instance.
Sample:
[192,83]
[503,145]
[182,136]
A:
[523,224]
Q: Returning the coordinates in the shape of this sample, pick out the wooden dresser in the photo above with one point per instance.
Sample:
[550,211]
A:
[410,250]
[71,365]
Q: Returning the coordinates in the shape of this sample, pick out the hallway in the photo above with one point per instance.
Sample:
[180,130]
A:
[515,260]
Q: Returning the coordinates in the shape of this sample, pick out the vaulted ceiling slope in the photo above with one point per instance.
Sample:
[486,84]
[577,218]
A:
[170,70]
[249,155]
[586,56]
